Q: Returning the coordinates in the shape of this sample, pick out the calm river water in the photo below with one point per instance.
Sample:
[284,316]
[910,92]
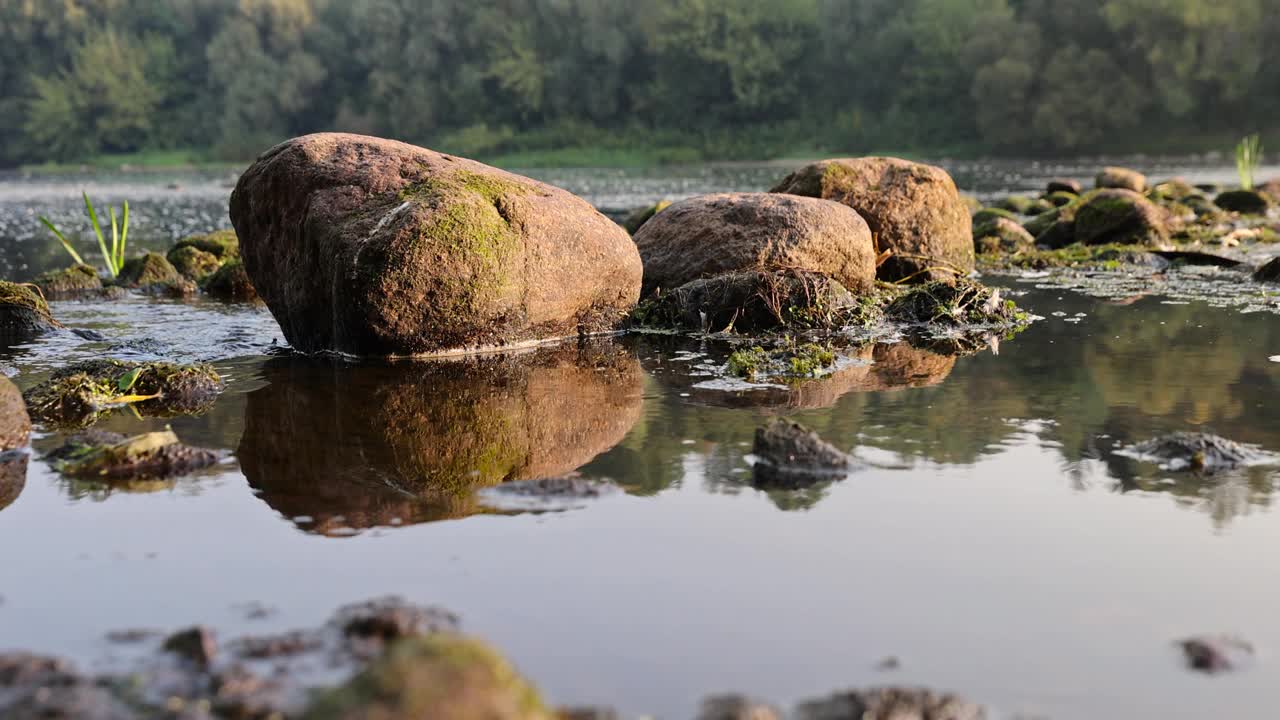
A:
[996,539]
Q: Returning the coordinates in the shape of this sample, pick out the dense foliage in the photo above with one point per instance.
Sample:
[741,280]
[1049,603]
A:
[700,78]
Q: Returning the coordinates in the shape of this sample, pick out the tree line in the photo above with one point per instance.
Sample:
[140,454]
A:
[694,78]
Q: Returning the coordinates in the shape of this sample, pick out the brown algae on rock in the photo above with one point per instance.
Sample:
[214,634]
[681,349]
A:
[76,395]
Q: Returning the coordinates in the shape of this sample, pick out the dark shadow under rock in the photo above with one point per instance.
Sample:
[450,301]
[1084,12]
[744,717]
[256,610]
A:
[749,302]
[342,447]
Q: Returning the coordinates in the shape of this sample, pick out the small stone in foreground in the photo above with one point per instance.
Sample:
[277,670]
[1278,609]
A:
[789,455]
[1216,654]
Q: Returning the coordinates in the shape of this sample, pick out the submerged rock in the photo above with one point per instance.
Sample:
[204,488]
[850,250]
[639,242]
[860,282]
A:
[1198,451]
[736,707]
[15,425]
[789,455]
[755,232]
[637,219]
[112,456]
[1122,217]
[24,314]
[445,677]
[1245,202]
[376,247]
[231,283]
[74,282]
[964,303]
[891,703]
[912,209]
[196,645]
[345,447]
[750,302]
[1002,235]
[77,394]
[1121,178]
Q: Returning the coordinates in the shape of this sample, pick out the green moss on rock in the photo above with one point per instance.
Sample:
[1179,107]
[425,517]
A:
[1245,202]
[638,218]
[991,213]
[75,396]
[1060,198]
[152,272]
[24,314]
[1002,235]
[74,281]
[1120,216]
[964,303]
[1019,204]
[231,283]
[222,244]
[193,263]
[440,676]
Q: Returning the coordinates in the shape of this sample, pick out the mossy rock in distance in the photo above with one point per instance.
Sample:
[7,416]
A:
[193,263]
[376,247]
[231,284]
[73,282]
[1245,202]
[1121,178]
[222,244]
[1121,217]
[1002,235]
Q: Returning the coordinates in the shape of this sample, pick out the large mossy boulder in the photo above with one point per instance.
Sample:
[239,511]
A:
[912,209]
[1122,217]
[746,232]
[1121,178]
[24,315]
[376,247]
[1245,202]
[15,425]
[76,281]
[442,676]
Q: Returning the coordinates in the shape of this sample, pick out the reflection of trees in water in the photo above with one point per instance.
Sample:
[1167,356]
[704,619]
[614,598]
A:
[1123,375]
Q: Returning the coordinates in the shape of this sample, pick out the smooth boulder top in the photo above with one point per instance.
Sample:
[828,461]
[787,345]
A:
[711,235]
[1121,178]
[15,425]
[1120,216]
[912,209]
[376,247]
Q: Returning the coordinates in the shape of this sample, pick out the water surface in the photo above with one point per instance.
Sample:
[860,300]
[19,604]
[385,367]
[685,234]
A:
[995,538]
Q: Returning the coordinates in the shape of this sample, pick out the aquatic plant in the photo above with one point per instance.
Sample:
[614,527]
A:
[114,257]
[1248,158]
[76,395]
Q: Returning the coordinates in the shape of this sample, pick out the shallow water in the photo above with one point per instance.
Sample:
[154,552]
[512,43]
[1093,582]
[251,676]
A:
[996,538]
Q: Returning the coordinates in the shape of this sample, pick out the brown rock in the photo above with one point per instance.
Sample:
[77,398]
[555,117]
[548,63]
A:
[1063,185]
[912,209]
[736,232]
[792,456]
[1122,178]
[1002,235]
[376,247]
[356,447]
[15,425]
[196,645]
[24,314]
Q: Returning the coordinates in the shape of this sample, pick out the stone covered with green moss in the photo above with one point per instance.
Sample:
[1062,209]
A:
[1002,235]
[1120,216]
[193,263]
[153,273]
[222,244]
[231,283]
[112,456]
[374,247]
[1017,204]
[986,215]
[964,303]
[1121,178]
[73,282]
[75,396]
[24,314]
[635,220]
[444,676]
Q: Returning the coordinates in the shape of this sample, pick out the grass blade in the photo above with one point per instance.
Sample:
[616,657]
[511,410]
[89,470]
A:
[115,242]
[97,229]
[70,250]
[124,235]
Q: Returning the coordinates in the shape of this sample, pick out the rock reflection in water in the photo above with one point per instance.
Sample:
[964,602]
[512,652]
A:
[13,476]
[340,447]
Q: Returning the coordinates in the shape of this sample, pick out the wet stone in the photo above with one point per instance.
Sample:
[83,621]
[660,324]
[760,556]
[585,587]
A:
[15,425]
[891,703]
[13,476]
[75,395]
[790,455]
[368,626]
[24,314]
[1198,452]
[1216,654]
[736,707]
[196,645]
